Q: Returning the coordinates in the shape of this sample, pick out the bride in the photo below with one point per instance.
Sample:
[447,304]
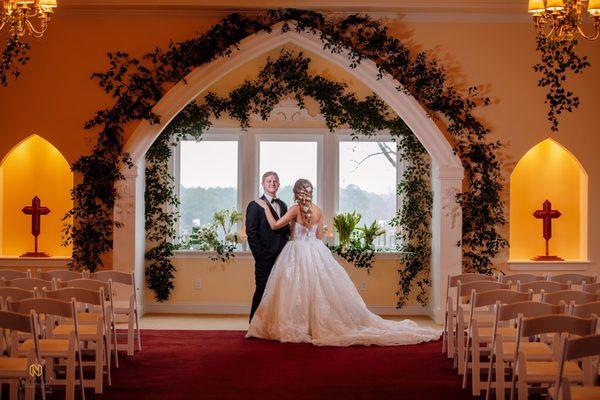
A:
[310,298]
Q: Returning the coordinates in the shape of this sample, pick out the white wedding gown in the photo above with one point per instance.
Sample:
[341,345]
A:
[310,298]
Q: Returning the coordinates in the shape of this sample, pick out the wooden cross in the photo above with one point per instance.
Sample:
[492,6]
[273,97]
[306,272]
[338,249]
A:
[547,214]
[36,210]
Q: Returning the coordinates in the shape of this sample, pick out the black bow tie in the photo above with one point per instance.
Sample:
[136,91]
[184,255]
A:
[273,200]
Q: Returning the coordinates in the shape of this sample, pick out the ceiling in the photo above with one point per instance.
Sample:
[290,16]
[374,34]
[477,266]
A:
[471,9]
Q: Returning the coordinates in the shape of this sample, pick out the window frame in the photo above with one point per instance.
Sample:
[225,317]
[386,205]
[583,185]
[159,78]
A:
[249,156]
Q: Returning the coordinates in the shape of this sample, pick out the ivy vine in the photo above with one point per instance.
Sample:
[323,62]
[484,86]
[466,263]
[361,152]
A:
[13,55]
[558,57]
[137,84]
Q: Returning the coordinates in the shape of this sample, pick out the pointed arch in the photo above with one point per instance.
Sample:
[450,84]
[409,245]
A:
[34,167]
[447,170]
[549,171]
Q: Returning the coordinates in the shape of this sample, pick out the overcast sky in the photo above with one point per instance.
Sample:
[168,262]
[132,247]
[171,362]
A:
[214,164]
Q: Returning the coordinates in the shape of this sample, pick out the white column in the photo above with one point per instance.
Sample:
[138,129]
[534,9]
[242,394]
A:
[446,227]
[129,239]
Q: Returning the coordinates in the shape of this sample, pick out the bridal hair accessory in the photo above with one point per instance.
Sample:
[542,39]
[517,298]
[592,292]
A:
[303,194]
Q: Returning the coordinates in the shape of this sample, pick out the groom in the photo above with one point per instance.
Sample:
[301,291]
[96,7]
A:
[265,243]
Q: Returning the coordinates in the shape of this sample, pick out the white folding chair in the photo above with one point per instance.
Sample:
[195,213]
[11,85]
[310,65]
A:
[464,291]
[14,368]
[95,333]
[527,372]
[51,349]
[122,281]
[92,315]
[479,336]
[504,340]
[575,349]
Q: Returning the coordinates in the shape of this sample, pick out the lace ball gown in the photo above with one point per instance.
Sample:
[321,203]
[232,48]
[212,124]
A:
[310,298]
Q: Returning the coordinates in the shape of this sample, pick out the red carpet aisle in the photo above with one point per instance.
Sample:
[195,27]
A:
[224,365]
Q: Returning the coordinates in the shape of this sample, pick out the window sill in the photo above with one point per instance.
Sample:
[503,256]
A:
[247,255]
[16,262]
[567,265]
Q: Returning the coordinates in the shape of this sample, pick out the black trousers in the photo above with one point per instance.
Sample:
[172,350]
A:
[262,270]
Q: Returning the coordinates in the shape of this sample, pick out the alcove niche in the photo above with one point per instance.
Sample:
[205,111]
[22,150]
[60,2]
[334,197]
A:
[34,167]
[548,171]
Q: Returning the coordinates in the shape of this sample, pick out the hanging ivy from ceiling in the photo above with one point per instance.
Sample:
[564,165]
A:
[558,58]
[137,84]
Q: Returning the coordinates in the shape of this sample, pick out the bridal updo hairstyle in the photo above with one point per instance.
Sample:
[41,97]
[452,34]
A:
[303,191]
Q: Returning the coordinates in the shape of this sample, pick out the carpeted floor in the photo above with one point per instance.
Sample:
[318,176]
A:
[187,364]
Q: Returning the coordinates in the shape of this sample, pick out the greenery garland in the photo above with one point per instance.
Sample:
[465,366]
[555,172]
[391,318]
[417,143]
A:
[138,85]
[286,76]
[558,57]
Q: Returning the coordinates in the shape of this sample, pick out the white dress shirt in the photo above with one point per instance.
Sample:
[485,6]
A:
[274,205]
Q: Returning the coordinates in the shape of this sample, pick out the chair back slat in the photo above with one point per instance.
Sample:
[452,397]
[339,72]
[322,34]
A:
[591,288]
[62,274]
[587,310]
[523,278]
[93,297]
[503,296]
[582,347]
[91,284]
[479,286]
[546,286]
[10,274]
[43,306]
[575,279]
[557,324]
[30,283]
[122,277]
[568,296]
[15,321]
[15,293]
[527,309]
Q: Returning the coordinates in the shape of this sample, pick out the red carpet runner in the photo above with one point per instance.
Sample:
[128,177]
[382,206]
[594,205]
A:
[224,365]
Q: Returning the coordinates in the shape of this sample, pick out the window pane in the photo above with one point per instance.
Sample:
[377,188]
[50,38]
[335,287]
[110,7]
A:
[368,185]
[291,161]
[208,177]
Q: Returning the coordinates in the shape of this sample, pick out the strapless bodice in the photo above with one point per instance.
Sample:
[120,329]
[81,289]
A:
[302,232]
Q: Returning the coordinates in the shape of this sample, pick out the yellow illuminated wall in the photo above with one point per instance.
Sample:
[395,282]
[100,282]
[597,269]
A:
[548,172]
[34,168]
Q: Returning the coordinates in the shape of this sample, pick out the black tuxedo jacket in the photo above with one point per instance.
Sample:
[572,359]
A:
[265,243]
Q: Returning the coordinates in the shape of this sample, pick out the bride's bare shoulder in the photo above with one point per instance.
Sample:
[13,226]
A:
[317,210]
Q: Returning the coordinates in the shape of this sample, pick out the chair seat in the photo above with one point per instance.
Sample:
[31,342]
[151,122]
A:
[47,346]
[505,331]
[13,367]
[585,392]
[547,371]
[84,330]
[534,350]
